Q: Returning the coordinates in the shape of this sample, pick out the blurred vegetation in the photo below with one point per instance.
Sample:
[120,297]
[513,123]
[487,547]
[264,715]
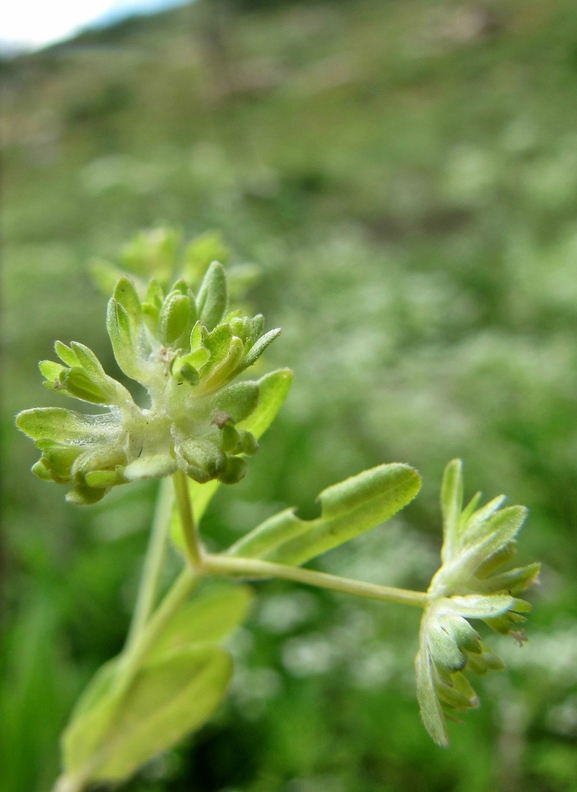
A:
[404,173]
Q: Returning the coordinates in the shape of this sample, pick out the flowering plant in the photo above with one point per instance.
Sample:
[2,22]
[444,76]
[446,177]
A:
[199,425]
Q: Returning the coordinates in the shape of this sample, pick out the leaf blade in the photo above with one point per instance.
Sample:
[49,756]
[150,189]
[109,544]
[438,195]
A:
[348,509]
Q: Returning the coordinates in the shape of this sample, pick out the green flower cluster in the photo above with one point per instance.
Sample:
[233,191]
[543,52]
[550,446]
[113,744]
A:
[477,544]
[185,349]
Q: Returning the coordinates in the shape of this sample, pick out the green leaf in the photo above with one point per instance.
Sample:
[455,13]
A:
[458,695]
[66,354]
[479,518]
[273,390]
[59,459]
[106,457]
[429,705]
[443,648]
[88,360]
[76,382]
[468,511]
[119,330]
[168,699]
[212,298]
[209,616]
[126,295]
[91,719]
[113,391]
[217,342]
[478,606]
[66,426]
[489,538]
[96,690]
[238,400]
[347,510]
[50,370]
[515,580]
[228,368]
[259,347]
[270,535]
[451,505]
[197,337]
[40,469]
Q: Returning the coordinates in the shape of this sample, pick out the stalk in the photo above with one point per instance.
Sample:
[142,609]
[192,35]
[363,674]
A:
[191,538]
[153,562]
[251,568]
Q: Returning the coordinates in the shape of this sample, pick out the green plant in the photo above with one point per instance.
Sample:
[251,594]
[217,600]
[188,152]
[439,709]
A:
[199,426]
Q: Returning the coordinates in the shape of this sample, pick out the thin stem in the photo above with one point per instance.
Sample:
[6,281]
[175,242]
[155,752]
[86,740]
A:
[153,561]
[222,565]
[189,530]
[181,588]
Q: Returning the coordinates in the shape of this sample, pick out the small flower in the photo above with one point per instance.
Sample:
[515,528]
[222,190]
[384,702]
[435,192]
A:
[186,350]
[477,544]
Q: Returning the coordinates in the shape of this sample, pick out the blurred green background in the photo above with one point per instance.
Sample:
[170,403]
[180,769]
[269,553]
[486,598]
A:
[404,173]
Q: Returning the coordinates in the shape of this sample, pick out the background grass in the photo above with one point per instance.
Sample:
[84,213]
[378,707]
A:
[405,176]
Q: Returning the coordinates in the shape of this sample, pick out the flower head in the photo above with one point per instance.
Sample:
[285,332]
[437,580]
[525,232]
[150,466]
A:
[186,349]
[477,544]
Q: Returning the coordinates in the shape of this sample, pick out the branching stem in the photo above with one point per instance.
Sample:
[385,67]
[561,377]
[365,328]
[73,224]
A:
[153,561]
[148,624]
[253,568]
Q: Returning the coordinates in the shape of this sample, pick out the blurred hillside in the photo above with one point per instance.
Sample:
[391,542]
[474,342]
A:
[404,173]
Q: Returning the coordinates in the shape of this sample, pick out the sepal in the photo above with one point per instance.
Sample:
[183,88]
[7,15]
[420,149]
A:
[478,542]
[212,299]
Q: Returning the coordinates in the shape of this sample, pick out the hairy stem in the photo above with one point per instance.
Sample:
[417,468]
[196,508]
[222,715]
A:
[153,562]
[245,567]
[189,529]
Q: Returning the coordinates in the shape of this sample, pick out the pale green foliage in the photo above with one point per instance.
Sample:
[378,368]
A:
[477,543]
[348,509]
[180,683]
[186,350]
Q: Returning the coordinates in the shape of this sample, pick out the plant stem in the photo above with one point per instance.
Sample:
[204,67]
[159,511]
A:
[153,561]
[189,530]
[181,588]
[245,567]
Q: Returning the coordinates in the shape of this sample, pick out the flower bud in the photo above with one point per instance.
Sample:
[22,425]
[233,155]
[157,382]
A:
[176,319]
[202,459]
[236,469]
